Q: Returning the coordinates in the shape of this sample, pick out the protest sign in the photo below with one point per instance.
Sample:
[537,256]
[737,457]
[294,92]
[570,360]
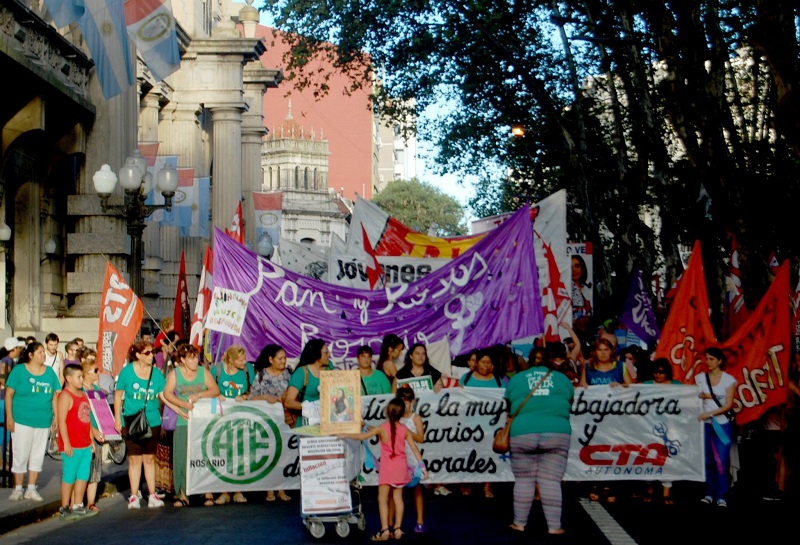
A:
[326,488]
[227,311]
[102,415]
[340,402]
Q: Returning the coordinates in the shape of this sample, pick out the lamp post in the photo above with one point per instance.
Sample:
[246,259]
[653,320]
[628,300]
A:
[136,182]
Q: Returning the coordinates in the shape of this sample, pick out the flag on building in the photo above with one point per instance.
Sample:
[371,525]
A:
[736,312]
[121,315]
[236,230]
[152,28]
[268,212]
[65,12]
[203,303]
[183,320]
[150,152]
[201,209]
[155,196]
[638,314]
[103,27]
[181,213]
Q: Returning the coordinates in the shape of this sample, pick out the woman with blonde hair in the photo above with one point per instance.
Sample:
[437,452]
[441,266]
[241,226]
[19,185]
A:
[234,376]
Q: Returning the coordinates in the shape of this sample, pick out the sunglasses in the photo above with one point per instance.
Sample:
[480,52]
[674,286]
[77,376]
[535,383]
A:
[146,352]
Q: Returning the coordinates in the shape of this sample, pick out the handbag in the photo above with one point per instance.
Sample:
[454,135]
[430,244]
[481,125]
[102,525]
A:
[502,439]
[169,419]
[730,414]
[138,427]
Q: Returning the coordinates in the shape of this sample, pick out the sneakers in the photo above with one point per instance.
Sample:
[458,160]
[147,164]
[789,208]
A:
[16,495]
[708,500]
[133,502]
[154,501]
[65,513]
[442,491]
[32,494]
[419,529]
[81,512]
[722,503]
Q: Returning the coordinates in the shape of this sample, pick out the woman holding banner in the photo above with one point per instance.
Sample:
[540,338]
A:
[304,384]
[540,437]
[717,390]
[187,384]
[417,365]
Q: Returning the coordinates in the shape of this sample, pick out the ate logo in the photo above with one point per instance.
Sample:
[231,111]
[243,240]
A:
[242,446]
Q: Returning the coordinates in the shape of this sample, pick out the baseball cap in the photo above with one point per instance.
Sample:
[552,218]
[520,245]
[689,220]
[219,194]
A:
[12,342]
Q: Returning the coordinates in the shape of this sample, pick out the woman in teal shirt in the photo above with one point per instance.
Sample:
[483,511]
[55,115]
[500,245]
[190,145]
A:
[540,437]
[132,386]
[304,384]
[31,390]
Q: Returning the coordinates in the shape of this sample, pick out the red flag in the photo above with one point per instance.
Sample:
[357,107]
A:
[121,315]
[375,272]
[236,230]
[687,331]
[181,313]
[736,312]
[758,353]
[203,300]
[796,318]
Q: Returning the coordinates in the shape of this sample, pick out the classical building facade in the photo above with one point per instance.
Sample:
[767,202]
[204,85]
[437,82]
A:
[58,130]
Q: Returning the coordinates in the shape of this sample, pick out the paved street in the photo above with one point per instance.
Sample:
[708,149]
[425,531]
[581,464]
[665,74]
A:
[451,520]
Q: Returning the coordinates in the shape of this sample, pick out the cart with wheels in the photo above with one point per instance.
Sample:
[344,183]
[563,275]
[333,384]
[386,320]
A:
[329,469]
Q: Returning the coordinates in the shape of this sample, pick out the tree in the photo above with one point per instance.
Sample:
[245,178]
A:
[422,207]
[635,108]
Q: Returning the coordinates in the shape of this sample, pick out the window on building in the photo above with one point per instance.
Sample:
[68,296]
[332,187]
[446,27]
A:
[297,177]
[306,176]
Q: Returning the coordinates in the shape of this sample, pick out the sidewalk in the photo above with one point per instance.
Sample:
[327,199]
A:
[14,514]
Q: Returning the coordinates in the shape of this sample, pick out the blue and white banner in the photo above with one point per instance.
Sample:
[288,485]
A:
[103,27]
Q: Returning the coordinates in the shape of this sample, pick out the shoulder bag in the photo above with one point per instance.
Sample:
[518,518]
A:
[730,414]
[138,426]
[502,440]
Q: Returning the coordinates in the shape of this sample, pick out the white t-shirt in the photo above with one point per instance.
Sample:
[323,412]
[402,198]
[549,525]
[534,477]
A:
[709,405]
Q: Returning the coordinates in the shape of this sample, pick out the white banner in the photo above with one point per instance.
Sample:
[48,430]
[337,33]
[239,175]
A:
[227,311]
[643,433]
[638,433]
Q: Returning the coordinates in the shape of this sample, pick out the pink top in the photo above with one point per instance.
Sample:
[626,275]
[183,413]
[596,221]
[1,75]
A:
[394,463]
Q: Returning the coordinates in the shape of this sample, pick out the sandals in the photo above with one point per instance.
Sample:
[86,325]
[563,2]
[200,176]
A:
[382,535]
[239,498]
[284,496]
[223,499]
[270,496]
[397,536]
[179,502]
[92,507]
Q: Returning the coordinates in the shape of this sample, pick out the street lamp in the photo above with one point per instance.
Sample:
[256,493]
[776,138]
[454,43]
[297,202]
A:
[136,181]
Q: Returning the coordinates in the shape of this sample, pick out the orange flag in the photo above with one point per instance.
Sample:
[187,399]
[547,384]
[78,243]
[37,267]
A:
[757,355]
[687,331]
[121,315]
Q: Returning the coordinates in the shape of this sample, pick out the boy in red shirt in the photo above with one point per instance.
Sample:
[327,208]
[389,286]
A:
[74,441]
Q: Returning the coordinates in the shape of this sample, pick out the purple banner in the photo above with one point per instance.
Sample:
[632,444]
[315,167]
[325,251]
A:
[638,315]
[488,295]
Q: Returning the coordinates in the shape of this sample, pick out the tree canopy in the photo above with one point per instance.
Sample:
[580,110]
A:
[423,207]
[666,122]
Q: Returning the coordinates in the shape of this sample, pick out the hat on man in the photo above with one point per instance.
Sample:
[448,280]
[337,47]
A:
[12,342]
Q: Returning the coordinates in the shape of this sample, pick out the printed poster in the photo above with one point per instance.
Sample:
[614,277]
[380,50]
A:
[323,476]
[418,384]
[340,402]
[102,415]
[582,273]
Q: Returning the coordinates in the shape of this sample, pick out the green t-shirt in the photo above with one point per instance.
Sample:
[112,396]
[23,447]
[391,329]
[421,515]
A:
[185,388]
[377,383]
[312,388]
[135,396]
[470,380]
[547,411]
[236,384]
[33,396]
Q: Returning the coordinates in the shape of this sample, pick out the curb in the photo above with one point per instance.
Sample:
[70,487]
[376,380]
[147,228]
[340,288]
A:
[113,483]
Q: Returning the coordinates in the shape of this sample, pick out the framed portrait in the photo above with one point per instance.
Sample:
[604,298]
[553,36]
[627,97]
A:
[340,402]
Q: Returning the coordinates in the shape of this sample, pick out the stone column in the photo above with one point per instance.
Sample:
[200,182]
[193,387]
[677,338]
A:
[226,176]
[256,82]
